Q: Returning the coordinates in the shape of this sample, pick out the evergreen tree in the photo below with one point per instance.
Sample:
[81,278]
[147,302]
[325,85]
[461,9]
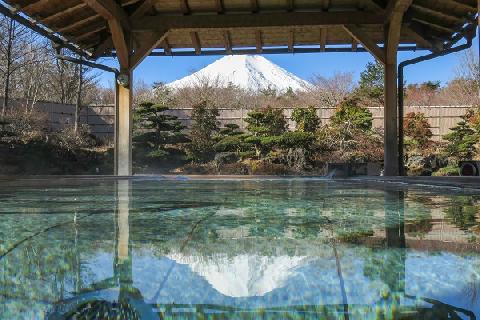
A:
[461,141]
[266,122]
[372,80]
[417,129]
[350,116]
[203,130]
[306,119]
[156,132]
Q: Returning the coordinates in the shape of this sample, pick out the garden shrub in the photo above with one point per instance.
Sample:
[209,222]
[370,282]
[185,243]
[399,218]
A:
[461,141]
[447,171]
[266,122]
[417,130]
[204,127]
[350,116]
[306,119]
[297,139]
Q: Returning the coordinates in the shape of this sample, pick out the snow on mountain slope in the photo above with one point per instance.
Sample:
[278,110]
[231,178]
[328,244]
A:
[243,275]
[247,72]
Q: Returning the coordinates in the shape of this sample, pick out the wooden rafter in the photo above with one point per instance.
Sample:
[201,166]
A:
[228,41]
[356,33]
[354,45]
[147,42]
[35,7]
[325,5]
[254,6]
[361,5]
[142,9]
[290,5]
[219,6]
[185,7]
[166,47]
[63,13]
[256,21]
[291,40]
[110,10]
[78,24]
[323,38]
[196,42]
[259,41]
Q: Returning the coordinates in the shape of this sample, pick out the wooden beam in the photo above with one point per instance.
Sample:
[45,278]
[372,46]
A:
[419,10]
[396,7]
[196,22]
[147,42]
[108,42]
[323,38]
[219,6]
[361,5]
[184,7]
[50,19]
[120,43]
[228,42]
[110,10]
[89,33]
[290,5]
[142,9]
[34,7]
[78,24]
[291,40]
[102,47]
[394,18]
[354,45]
[196,42]
[254,6]
[166,47]
[325,5]
[258,41]
[356,33]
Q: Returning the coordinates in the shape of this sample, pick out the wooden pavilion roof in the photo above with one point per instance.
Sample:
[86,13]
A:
[206,26]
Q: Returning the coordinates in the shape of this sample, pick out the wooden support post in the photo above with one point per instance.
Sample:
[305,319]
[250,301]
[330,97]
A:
[390,120]
[123,127]
[393,27]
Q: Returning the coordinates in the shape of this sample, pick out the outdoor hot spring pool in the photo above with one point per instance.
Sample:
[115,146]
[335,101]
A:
[237,249]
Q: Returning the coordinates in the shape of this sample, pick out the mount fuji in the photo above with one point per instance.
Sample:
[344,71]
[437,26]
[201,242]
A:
[249,72]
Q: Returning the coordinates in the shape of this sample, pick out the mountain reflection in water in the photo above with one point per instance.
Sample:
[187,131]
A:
[238,250]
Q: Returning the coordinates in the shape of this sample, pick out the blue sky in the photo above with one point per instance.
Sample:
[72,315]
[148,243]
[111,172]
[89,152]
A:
[305,65]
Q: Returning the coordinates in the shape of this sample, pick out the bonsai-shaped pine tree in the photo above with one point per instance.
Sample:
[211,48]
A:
[306,119]
[156,133]
[266,126]
[266,122]
[461,140]
[351,117]
[203,129]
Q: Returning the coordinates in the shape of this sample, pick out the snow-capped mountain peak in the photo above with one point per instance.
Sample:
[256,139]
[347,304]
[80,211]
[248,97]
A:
[249,72]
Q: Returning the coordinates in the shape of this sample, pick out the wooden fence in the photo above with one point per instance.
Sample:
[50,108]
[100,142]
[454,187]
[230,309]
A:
[101,118]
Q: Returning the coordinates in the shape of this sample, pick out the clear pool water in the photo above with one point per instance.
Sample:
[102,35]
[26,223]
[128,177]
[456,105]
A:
[251,249]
